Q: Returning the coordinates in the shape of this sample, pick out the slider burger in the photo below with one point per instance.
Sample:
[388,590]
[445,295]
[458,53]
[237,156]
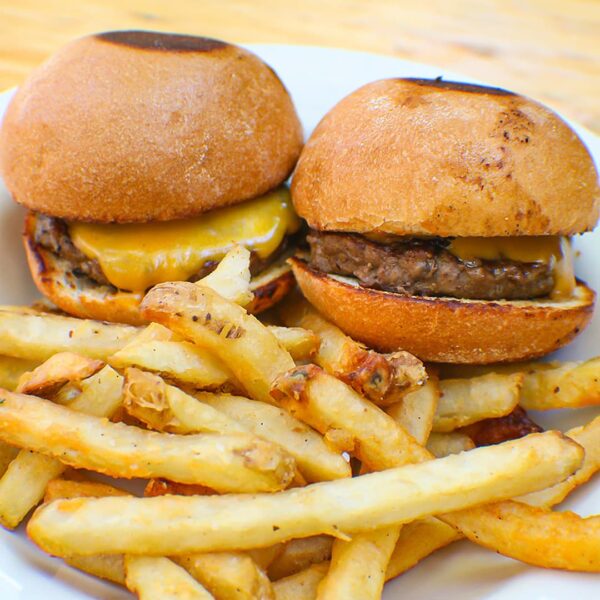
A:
[142,158]
[441,215]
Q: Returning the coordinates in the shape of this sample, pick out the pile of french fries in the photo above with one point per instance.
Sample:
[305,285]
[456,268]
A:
[281,459]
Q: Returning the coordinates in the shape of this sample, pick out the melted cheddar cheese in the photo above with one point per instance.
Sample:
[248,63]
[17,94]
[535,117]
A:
[137,256]
[548,249]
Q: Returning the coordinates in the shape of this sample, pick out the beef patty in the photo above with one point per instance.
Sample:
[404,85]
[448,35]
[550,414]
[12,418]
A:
[420,267]
[52,234]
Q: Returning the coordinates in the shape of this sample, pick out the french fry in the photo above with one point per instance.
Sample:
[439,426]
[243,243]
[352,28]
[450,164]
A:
[158,578]
[302,585]
[465,401]
[171,525]
[58,370]
[415,412]
[570,385]
[7,455]
[164,407]
[347,420]
[443,444]
[231,575]
[37,336]
[67,488]
[163,487]
[537,536]
[316,461]
[263,557]
[25,480]
[381,379]
[297,555]
[236,462]
[106,566]
[418,540]
[231,278]
[240,340]
[358,568]
[11,368]
[301,343]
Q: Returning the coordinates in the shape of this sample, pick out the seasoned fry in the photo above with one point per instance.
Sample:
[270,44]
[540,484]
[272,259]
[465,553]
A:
[7,455]
[415,412]
[37,336]
[316,461]
[231,575]
[381,379]
[240,340]
[238,462]
[570,385]
[171,525]
[58,370]
[231,278]
[358,568]
[164,407]
[24,483]
[158,578]
[418,540]
[465,401]
[301,343]
[302,585]
[11,368]
[297,555]
[443,444]
[179,361]
[358,427]
[533,535]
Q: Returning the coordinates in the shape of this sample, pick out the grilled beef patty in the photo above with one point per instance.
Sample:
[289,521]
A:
[420,267]
[53,234]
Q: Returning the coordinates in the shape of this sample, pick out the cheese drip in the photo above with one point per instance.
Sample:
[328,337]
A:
[554,250]
[137,256]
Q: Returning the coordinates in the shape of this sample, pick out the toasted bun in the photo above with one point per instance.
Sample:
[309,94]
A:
[445,329]
[134,126]
[428,157]
[83,297]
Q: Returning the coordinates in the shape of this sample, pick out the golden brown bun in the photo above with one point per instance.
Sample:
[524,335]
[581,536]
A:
[445,329]
[140,126]
[83,297]
[427,157]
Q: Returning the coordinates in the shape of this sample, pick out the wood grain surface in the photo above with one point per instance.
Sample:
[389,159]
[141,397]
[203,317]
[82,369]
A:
[548,49]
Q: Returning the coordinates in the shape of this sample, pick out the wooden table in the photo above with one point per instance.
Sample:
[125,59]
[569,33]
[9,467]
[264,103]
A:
[548,49]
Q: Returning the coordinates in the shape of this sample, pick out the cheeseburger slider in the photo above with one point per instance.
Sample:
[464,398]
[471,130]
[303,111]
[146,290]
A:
[440,218]
[142,158]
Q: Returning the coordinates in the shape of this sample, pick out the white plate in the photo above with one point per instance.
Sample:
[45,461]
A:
[317,78]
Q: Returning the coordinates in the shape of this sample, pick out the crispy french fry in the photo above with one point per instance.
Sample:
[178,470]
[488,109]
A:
[158,578]
[346,419]
[37,336]
[302,585]
[231,278]
[381,379]
[236,462]
[301,343]
[453,442]
[358,567]
[24,483]
[164,407]
[11,368]
[465,401]
[240,340]
[58,370]
[534,535]
[418,540]
[171,525]
[570,385]
[231,575]
[7,455]
[415,412]
[297,555]
[316,461]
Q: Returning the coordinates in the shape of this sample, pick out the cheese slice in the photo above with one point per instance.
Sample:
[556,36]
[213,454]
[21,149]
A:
[554,250]
[137,256]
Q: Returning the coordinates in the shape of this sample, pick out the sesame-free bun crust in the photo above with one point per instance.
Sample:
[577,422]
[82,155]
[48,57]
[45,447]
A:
[143,126]
[427,157]
[82,297]
[446,329]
